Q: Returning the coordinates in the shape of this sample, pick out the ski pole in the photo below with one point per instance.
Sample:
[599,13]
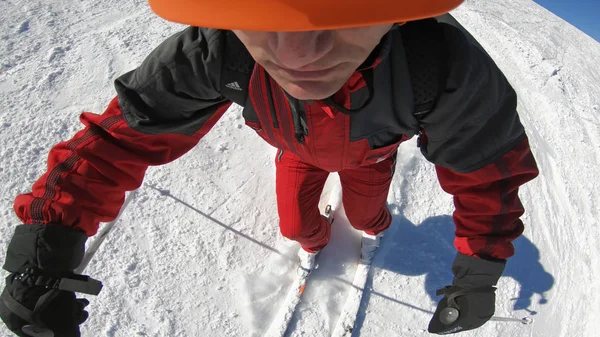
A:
[35,331]
[525,320]
[450,315]
[93,248]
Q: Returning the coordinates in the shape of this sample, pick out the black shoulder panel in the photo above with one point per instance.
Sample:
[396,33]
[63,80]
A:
[237,69]
[475,119]
[425,54]
[176,88]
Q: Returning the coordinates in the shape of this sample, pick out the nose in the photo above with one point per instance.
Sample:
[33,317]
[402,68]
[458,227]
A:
[295,50]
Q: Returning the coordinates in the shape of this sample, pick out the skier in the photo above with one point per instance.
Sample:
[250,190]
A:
[334,88]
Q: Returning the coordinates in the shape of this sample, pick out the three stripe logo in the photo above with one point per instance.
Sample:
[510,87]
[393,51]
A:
[234,86]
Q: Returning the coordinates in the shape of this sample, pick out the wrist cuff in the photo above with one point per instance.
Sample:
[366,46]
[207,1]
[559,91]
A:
[470,271]
[54,249]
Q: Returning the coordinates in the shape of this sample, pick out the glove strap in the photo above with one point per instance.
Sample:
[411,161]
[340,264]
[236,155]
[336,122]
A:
[452,292]
[75,283]
[34,277]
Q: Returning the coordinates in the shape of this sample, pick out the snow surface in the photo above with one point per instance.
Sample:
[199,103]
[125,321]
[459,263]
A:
[198,253]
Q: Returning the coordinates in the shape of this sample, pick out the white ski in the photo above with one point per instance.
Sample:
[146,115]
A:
[282,320]
[345,324]
[284,316]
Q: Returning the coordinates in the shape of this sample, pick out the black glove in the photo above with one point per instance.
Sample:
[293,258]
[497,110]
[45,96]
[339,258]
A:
[471,297]
[40,291]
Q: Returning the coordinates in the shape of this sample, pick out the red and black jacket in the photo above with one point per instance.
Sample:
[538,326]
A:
[473,134]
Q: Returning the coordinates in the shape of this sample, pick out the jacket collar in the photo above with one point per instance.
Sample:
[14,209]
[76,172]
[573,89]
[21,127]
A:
[381,51]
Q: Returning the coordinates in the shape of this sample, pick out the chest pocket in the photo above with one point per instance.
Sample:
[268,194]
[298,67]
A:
[380,154]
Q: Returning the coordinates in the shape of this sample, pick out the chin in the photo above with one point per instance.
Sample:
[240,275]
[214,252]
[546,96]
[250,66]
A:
[311,90]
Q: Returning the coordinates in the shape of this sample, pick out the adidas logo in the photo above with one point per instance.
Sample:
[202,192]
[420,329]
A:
[234,86]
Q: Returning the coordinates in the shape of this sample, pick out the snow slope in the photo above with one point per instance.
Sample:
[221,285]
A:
[197,252]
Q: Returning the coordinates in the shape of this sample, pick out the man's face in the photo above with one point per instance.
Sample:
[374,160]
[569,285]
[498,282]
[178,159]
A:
[315,64]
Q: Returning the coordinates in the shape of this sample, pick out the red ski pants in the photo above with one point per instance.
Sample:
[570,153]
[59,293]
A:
[299,186]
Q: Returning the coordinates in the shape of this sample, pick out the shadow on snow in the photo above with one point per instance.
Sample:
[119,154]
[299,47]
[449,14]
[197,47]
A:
[427,249]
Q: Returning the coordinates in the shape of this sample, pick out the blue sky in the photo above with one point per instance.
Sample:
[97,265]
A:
[583,14]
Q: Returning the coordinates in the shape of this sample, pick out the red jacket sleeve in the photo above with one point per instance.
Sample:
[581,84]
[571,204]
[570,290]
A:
[162,110]
[88,176]
[475,138]
[487,203]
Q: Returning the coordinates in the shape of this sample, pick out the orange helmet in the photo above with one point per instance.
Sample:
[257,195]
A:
[297,15]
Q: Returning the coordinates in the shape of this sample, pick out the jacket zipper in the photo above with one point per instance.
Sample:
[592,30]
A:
[308,110]
[271,104]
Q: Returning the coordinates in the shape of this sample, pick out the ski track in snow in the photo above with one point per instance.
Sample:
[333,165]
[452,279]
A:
[198,252]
